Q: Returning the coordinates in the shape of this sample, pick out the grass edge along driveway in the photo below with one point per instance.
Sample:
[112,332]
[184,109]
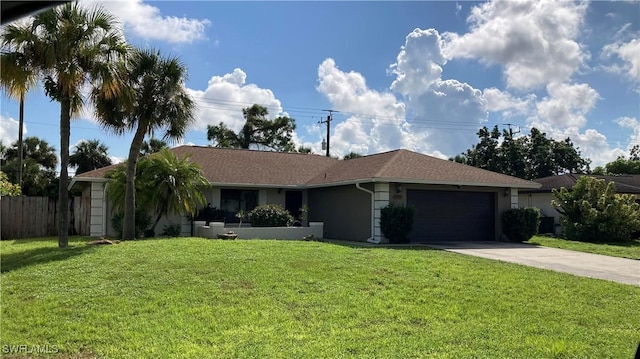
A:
[629,250]
[197,298]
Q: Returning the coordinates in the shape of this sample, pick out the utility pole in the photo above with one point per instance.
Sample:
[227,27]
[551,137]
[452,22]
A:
[511,130]
[328,122]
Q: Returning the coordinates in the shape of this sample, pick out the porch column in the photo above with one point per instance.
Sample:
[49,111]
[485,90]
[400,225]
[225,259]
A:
[380,200]
[97,228]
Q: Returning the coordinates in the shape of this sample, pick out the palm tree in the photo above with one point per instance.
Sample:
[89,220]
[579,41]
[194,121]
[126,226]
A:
[164,183]
[154,99]
[17,77]
[70,46]
[152,146]
[89,155]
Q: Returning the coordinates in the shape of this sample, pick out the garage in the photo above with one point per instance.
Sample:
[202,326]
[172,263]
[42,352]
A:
[452,215]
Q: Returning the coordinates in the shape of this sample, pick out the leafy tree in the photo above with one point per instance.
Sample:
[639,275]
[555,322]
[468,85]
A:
[152,146]
[623,166]
[154,97]
[529,157]
[69,47]
[38,166]
[164,184]
[303,149]
[7,188]
[592,211]
[257,131]
[89,155]
[352,155]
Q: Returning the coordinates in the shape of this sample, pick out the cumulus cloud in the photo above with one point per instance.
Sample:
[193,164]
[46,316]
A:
[9,130]
[634,125]
[506,103]
[376,119]
[226,96]
[567,104]
[451,111]
[534,41]
[147,22]
[629,54]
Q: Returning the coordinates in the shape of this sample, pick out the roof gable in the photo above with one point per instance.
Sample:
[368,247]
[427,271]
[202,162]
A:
[407,166]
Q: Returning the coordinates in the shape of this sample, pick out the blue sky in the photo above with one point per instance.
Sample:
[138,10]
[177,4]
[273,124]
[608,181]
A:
[418,75]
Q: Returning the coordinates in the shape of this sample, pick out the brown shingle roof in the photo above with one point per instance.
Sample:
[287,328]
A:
[624,183]
[239,166]
[262,168]
[408,166]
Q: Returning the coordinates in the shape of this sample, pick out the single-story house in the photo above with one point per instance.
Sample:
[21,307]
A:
[452,201]
[541,197]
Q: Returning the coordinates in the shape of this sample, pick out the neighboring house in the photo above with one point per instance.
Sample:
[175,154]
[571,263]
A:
[452,201]
[541,197]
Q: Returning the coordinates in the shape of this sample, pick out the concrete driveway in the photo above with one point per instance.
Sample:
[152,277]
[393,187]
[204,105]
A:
[615,269]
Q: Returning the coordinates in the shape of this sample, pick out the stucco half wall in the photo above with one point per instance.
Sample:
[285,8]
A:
[345,211]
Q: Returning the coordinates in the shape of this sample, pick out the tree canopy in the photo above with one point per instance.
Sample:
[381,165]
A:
[257,131]
[89,155]
[622,165]
[152,146]
[38,166]
[529,157]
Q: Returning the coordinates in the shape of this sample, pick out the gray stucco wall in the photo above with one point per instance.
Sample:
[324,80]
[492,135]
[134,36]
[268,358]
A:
[345,211]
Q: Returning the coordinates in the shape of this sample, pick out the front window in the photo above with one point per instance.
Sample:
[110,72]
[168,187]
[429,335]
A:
[234,200]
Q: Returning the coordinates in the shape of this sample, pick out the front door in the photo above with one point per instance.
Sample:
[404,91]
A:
[293,202]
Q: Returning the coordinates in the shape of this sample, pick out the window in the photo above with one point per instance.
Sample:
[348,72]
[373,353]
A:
[234,200]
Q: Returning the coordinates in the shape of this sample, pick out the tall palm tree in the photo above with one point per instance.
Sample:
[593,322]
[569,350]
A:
[70,46]
[17,77]
[89,155]
[154,98]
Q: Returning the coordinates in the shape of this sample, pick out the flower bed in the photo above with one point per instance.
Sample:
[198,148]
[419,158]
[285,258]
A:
[315,229]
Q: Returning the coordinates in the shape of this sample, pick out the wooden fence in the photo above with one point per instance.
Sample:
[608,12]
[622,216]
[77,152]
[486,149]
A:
[27,217]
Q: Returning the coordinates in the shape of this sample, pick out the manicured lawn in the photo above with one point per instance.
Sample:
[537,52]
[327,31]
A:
[197,298]
[624,250]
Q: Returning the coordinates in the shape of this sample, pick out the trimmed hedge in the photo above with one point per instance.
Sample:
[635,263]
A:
[520,224]
[270,215]
[396,223]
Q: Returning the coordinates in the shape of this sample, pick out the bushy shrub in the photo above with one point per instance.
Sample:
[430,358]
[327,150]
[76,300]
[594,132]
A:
[270,215]
[592,211]
[520,224]
[143,222]
[172,230]
[396,223]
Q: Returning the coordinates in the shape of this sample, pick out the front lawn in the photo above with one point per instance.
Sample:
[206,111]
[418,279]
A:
[624,250]
[197,298]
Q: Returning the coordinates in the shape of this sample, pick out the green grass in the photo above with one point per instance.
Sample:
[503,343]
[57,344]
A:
[624,250]
[197,298]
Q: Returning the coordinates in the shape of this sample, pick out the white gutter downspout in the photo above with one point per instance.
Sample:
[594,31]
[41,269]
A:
[371,239]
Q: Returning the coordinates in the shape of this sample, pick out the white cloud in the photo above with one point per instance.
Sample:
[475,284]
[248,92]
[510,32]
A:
[226,96]
[535,41]
[147,22]
[9,130]
[451,111]
[506,103]
[377,119]
[567,104]
[634,125]
[629,53]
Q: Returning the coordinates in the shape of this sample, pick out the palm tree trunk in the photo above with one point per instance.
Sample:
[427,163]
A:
[20,144]
[129,220]
[63,195]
